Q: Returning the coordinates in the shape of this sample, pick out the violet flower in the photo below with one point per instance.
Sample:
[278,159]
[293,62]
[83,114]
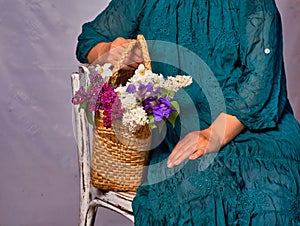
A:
[144,89]
[149,103]
[157,91]
[162,109]
[131,88]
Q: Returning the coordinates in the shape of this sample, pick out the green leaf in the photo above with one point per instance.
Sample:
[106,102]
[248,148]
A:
[172,118]
[152,126]
[151,119]
[89,117]
[151,122]
[175,105]
[167,93]
[88,114]
[83,106]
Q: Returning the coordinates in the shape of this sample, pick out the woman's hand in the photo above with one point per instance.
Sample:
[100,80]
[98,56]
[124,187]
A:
[110,52]
[117,47]
[225,128]
[194,145]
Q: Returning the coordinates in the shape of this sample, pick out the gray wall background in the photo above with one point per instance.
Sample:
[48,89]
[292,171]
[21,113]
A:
[38,164]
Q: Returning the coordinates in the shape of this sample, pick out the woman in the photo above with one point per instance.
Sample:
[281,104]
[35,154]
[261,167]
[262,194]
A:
[232,159]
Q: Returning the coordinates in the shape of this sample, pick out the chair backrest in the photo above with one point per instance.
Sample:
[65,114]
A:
[91,198]
[81,128]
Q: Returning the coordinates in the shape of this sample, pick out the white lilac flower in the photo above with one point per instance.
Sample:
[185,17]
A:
[104,70]
[135,118]
[168,85]
[177,82]
[128,101]
[184,80]
[158,80]
[121,91]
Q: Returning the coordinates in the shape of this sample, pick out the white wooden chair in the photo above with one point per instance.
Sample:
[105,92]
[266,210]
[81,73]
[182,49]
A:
[90,197]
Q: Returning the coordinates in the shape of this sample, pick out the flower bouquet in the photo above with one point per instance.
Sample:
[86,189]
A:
[146,99]
[123,117]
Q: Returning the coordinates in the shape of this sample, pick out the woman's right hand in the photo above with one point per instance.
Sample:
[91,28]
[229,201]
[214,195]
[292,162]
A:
[110,52]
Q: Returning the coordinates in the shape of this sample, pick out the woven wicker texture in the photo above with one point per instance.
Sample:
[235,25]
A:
[119,156]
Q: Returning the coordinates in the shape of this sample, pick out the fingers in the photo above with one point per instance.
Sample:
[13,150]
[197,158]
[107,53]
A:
[118,46]
[119,42]
[202,148]
[194,145]
[135,58]
[183,149]
[186,148]
[179,155]
[199,152]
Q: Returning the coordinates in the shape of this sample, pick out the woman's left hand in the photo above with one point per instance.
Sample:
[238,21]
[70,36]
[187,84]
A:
[225,128]
[194,145]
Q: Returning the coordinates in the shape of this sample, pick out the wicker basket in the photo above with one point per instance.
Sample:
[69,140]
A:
[119,156]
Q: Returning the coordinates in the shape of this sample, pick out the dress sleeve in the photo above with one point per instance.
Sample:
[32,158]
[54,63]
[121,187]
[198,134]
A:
[119,19]
[258,95]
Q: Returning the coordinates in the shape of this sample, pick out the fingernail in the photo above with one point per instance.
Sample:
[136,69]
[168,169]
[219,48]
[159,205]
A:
[191,157]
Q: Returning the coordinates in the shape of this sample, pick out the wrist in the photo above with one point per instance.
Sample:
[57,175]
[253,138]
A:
[216,135]
[213,138]
[225,128]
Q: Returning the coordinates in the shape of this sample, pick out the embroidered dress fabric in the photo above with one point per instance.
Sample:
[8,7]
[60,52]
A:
[254,179]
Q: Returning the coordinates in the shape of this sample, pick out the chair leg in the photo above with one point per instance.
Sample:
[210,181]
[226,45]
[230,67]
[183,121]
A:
[88,216]
[91,216]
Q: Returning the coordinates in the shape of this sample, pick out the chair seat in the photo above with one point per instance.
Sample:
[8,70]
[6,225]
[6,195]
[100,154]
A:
[122,200]
[118,201]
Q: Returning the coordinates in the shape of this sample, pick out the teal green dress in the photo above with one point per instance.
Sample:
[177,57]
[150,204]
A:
[233,50]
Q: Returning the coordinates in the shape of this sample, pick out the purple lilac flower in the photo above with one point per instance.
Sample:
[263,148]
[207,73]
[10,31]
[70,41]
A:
[96,78]
[100,96]
[162,109]
[107,117]
[116,111]
[106,99]
[131,88]
[93,96]
[80,96]
[93,107]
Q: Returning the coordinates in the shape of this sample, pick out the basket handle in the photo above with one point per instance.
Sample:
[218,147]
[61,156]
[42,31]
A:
[141,43]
